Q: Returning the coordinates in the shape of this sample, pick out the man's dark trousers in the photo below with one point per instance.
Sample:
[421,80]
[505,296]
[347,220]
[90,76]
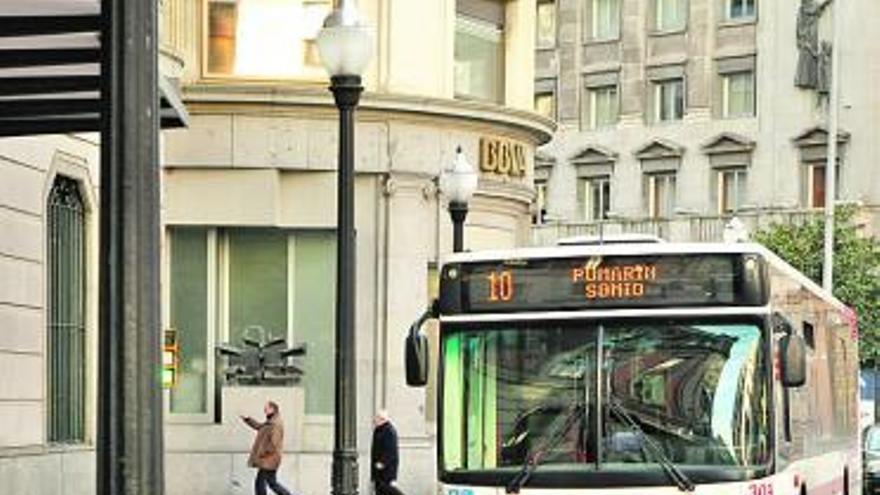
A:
[386,488]
[266,477]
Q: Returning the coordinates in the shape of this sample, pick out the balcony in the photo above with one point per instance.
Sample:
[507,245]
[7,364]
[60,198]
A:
[692,228]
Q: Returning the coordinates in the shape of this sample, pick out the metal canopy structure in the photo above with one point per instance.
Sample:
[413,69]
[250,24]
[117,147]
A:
[50,76]
[73,66]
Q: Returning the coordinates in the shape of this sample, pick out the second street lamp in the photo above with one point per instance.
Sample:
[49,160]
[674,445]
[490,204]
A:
[458,184]
[345,45]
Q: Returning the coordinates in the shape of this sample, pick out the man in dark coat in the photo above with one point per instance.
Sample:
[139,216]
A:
[384,458]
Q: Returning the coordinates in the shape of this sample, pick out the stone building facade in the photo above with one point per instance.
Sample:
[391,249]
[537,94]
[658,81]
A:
[48,253]
[249,201]
[675,115]
[248,208]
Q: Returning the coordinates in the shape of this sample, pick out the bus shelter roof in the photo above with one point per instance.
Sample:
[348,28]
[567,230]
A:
[50,69]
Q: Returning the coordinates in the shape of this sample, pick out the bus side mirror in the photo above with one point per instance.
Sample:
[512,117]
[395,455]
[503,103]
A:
[793,354]
[416,359]
[416,351]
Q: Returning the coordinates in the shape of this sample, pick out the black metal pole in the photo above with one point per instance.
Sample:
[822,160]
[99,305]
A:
[346,92]
[129,436]
[458,210]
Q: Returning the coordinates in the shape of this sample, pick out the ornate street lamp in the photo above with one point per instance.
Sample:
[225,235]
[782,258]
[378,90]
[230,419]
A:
[459,185]
[345,44]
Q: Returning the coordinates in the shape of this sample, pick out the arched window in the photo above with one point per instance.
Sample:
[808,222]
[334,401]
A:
[66,266]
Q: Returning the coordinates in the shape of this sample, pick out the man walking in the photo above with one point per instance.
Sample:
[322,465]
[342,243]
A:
[384,455]
[267,449]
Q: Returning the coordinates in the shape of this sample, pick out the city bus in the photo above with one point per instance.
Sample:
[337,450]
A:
[638,369]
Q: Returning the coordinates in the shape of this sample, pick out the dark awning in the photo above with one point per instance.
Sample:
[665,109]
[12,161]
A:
[50,55]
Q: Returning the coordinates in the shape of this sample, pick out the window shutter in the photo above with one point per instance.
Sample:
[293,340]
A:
[491,11]
[601,79]
[547,85]
[665,72]
[736,64]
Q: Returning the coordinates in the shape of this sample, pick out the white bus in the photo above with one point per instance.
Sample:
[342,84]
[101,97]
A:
[639,369]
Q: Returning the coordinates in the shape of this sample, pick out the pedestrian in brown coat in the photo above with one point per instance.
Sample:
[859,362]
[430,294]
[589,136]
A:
[267,449]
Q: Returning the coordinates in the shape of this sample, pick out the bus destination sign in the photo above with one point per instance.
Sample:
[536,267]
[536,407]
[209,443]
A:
[598,282]
[614,282]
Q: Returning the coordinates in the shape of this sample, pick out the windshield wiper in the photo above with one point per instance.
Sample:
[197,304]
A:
[649,444]
[534,457]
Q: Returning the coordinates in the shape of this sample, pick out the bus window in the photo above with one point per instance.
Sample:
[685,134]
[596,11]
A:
[698,390]
[506,391]
[809,335]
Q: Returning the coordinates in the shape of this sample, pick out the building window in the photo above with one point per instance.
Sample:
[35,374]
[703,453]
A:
[594,198]
[809,335]
[540,202]
[731,184]
[228,284]
[189,310]
[602,108]
[605,16]
[66,332]
[258,283]
[668,100]
[479,60]
[221,37]
[670,15]
[816,177]
[546,24]
[661,194]
[813,149]
[545,104]
[740,9]
[738,98]
[815,186]
[264,38]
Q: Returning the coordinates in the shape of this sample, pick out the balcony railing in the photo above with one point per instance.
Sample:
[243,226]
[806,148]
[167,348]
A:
[679,229]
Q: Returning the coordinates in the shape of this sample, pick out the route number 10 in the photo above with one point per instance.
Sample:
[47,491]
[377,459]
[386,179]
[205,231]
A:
[500,286]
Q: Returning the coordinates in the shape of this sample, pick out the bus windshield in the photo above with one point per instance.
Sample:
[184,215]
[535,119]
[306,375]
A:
[698,389]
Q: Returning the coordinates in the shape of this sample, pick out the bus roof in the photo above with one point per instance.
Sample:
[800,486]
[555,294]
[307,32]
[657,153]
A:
[637,249]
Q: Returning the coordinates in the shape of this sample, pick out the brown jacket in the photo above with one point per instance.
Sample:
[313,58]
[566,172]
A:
[269,444]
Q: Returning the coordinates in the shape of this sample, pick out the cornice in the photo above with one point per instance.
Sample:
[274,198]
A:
[201,96]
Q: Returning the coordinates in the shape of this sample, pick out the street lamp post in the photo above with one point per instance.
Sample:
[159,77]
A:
[459,184]
[345,45]
[831,163]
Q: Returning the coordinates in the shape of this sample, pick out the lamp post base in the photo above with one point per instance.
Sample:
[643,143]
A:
[345,472]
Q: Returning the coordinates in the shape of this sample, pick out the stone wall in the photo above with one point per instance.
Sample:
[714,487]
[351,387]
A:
[28,167]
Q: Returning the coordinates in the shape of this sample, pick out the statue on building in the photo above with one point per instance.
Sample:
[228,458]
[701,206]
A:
[814,59]
[824,80]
